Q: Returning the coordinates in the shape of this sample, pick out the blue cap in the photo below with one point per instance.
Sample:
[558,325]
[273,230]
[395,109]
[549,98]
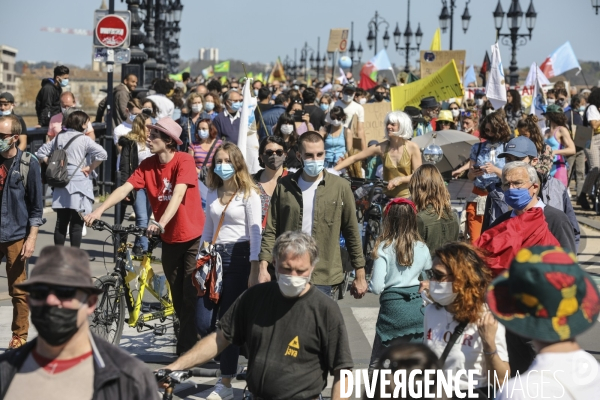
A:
[520,147]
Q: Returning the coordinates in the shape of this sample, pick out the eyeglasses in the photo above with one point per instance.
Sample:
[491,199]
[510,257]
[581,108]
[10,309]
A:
[516,185]
[269,153]
[434,275]
[41,292]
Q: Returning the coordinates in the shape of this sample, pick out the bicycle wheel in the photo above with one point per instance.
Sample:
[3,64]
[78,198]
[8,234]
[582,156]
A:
[109,316]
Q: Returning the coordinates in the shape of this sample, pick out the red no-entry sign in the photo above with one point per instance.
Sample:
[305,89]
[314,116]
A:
[112,31]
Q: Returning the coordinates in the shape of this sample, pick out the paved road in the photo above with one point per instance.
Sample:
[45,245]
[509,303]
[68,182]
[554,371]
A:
[360,315]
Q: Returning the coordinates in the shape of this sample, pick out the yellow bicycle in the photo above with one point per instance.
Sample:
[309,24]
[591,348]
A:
[126,287]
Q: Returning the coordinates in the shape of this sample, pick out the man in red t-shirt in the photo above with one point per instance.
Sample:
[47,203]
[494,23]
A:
[170,180]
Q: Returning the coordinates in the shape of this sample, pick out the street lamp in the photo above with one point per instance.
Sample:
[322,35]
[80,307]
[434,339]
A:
[374,25]
[408,34]
[448,15]
[514,38]
[304,58]
[596,5]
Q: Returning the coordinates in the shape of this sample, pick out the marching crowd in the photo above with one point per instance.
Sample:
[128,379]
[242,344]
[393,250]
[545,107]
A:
[509,298]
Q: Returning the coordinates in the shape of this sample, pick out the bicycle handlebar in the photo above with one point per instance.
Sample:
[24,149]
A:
[183,375]
[100,225]
[363,181]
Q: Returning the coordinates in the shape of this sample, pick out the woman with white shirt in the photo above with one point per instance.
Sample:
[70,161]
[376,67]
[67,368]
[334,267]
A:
[134,108]
[457,284]
[134,151]
[78,195]
[233,192]
[591,118]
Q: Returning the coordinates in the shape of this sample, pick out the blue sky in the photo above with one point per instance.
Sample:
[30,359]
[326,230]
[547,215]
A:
[261,30]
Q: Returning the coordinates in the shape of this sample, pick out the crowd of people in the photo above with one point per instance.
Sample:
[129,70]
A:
[277,235]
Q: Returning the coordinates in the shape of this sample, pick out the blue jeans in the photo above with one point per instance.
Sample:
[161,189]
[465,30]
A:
[236,271]
[143,211]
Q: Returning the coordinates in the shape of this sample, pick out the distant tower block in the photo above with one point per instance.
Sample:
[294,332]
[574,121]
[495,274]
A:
[210,54]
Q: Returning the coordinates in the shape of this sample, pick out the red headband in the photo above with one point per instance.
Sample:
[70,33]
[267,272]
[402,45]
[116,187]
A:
[399,200]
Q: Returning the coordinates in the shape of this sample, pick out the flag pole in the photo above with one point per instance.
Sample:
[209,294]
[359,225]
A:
[585,80]
[257,107]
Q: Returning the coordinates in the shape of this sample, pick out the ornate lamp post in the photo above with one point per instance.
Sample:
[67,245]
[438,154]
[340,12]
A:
[514,38]
[448,15]
[374,25]
[304,58]
[596,5]
[408,34]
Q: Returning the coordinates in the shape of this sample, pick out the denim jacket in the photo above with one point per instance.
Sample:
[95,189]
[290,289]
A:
[21,209]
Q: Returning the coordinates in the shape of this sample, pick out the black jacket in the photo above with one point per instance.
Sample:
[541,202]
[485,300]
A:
[558,224]
[117,375]
[47,102]
[129,163]
[317,116]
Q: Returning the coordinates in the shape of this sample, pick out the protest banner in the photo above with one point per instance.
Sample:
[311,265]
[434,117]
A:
[338,40]
[583,135]
[442,85]
[433,61]
[374,115]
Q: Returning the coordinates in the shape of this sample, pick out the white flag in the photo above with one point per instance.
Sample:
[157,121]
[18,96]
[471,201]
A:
[538,99]
[496,87]
[247,139]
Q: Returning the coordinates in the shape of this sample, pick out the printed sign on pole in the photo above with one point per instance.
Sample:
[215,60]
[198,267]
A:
[112,30]
[338,40]
[433,61]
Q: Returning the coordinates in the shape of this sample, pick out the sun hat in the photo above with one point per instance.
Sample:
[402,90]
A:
[428,102]
[545,295]
[62,266]
[445,115]
[169,127]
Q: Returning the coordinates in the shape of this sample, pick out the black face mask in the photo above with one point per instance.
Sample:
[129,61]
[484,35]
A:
[378,96]
[273,162]
[55,325]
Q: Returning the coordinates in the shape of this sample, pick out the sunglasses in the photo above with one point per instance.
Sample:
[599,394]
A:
[467,114]
[41,292]
[434,275]
[269,153]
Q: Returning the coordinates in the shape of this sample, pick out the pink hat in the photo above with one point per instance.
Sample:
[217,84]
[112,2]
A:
[169,127]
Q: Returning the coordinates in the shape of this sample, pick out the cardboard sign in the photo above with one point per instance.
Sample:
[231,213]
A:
[443,85]
[583,135]
[433,61]
[374,116]
[338,40]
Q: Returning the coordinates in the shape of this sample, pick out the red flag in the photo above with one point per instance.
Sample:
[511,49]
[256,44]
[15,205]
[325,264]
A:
[546,68]
[366,82]
[503,241]
[485,67]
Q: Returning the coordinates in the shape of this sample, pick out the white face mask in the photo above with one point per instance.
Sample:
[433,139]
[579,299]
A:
[336,122]
[363,101]
[479,102]
[441,292]
[287,129]
[455,113]
[292,286]
[551,101]
[488,111]
[196,108]
[347,98]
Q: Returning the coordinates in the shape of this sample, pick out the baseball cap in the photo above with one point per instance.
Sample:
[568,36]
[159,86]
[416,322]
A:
[520,147]
[8,97]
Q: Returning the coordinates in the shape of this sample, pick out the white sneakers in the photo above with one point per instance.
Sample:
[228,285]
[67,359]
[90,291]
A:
[221,392]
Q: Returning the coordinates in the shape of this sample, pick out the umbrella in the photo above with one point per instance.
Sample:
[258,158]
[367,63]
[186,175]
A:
[456,147]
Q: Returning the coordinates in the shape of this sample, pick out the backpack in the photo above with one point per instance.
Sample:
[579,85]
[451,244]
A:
[24,167]
[56,174]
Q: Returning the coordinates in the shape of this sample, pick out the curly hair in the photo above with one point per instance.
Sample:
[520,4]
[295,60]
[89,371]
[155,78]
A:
[529,127]
[558,118]
[427,187]
[500,132]
[472,276]
[400,230]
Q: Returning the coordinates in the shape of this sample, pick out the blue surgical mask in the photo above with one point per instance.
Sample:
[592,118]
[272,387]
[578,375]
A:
[582,109]
[203,133]
[236,105]
[225,171]
[64,83]
[6,144]
[132,117]
[518,199]
[6,112]
[256,92]
[324,106]
[313,167]
[209,106]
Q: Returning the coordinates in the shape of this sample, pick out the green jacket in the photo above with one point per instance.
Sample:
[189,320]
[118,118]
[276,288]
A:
[434,231]
[334,213]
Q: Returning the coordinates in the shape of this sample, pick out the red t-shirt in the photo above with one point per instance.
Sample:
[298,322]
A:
[159,180]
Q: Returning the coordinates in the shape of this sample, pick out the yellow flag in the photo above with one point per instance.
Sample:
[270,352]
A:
[277,73]
[442,85]
[258,77]
[436,43]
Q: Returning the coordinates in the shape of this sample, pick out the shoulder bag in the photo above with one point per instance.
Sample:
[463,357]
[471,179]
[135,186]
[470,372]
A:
[208,276]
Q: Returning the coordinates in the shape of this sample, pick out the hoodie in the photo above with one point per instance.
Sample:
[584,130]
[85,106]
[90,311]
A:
[47,102]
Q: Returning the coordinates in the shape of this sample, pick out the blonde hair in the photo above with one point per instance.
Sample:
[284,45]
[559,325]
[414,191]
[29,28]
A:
[428,188]
[138,130]
[242,177]
[405,129]
[192,97]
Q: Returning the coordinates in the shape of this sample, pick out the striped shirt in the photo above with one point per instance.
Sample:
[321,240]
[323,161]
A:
[200,154]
